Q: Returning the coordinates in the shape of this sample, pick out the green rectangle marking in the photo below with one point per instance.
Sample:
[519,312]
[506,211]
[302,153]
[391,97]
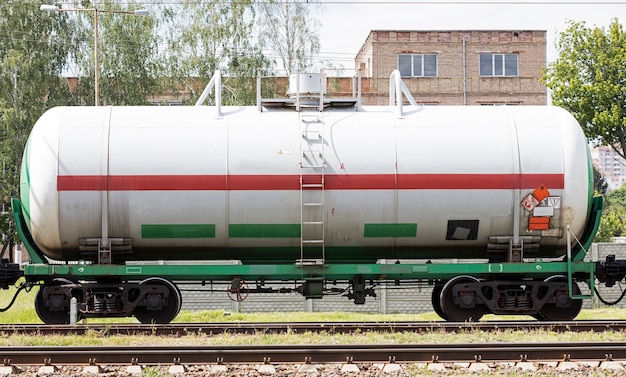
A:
[264,230]
[390,230]
[178,230]
[133,270]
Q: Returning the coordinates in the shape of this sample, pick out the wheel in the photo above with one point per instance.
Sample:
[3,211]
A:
[451,311]
[569,308]
[167,312]
[436,300]
[58,310]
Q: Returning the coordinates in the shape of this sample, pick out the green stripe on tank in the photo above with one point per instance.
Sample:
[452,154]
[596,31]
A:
[178,231]
[590,180]
[25,184]
[390,230]
[264,230]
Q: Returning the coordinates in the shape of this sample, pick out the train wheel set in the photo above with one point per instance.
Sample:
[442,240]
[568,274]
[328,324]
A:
[308,194]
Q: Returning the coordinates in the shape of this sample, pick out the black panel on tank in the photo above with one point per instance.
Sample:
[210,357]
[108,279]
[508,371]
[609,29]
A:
[462,230]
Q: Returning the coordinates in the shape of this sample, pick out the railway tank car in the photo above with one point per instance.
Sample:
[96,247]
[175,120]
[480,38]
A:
[482,202]
[436,184]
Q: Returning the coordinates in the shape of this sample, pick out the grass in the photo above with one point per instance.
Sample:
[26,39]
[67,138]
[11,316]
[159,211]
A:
[23,312]
[96,338]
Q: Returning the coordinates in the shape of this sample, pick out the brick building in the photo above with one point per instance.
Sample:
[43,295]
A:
[467,67]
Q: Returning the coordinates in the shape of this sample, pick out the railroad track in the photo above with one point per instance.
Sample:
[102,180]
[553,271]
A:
[301,327]
[484,354]
[285,354]
[290,359]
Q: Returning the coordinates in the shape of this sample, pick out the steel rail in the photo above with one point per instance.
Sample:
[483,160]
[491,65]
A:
[316,354]
[296,327]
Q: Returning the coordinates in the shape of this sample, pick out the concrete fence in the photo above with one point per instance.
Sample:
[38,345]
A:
[389,297]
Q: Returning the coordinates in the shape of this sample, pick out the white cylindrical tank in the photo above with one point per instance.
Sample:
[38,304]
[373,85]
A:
[182,183]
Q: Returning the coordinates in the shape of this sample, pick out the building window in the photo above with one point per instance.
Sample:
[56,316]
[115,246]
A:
[417,65]
[498,64]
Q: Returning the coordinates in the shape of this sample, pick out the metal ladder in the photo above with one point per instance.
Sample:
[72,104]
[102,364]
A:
[312,166]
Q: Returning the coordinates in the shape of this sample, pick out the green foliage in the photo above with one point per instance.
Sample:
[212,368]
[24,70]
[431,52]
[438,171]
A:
[128,60]
[600,185]
[618,197]
[613,218]
[611,225]
[31,59]
[203,36]
[588,79]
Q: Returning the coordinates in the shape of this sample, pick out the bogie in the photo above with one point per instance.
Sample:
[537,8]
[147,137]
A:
[154,300]
[467,298]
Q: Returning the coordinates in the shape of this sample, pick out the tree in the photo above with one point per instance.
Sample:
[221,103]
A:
[203,36]
[611,225]
[600,184]
[588,79]
[613,216]
[288,30]
[32,56]
[129,62]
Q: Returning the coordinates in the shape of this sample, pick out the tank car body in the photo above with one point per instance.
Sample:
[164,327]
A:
[440,182]
[491,206]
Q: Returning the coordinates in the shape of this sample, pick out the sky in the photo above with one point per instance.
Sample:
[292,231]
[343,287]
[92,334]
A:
[346,24]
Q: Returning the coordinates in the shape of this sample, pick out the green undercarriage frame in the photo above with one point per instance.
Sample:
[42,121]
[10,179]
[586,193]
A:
[574,267]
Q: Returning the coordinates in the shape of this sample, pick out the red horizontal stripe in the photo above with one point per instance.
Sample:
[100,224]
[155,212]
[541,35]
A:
[166,182]
[263,182]
[292,182]
[479,181]
[81,183]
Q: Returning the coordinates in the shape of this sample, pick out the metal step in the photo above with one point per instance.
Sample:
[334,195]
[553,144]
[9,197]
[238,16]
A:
[312,135]
[312,154]
[311,118]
